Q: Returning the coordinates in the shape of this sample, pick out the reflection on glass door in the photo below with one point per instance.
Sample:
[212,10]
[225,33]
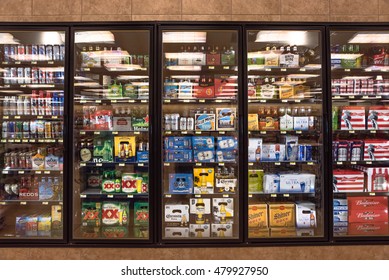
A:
[285,154]
[111,135]
[200,135]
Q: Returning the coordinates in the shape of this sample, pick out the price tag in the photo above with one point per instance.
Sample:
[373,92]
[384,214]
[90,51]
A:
[250,195]
[226,195]
[114,101]
[277,163]
[38,172]
[221,163]
[11,141]
[130,196]
[23,203]
[186,100]
[303,69]
[292,163]
[353,162]
[32,140]
[298,132]
[82,101]
[5,172]
[20,172]
[17,117]
[268,69]
[211,67]
[99,164]
[109,195]
[263,100]
[251,163]
[197,195]
[373,131]
[337,97]
[122,164]
[201,100]
[283,69]
[198,132]
[6,117]
[25,140]
[198,163]
[286,195]
[18,62]
[47,172]
[168,132]
[82,164]
[98,101]
[310,163]
[3,203]
[339,162]
[184,132]
[136,132]
[273,195]
[83,195]
[143,101]
[351,131]
[167,101]
[115,132]
[3,141]
[263,132]
[168,195]
[365,97]
[141,164]
[39,117]
[166,164]
[82,132]
[45,203]
[284,101]
[5,62]
[283,132]
[222,132]
[378,97]
[60,140]
[372,194]
[249,132]
[50,62]
[297,101]
[133,101]
[218,101]
[54,117]
[96,133]
[17,141]
[347,70]
[226,67]
[369,162]
[34,62]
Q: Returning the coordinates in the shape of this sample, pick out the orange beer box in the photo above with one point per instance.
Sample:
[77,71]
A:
[226,87]
[368,229]
[348,180]
[367,203]
[282,215]
[376,149]
[353,118]
[258,216]
[377,178]
[371,215]
[378,118]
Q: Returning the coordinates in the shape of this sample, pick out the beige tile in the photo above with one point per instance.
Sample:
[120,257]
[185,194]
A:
[383,18]
[342,18]
[54,254]
[353,7]
[62,7]
[16,7]
[206,17]
[383,7]
[100,7]
[14,253]
[256,17]
[206,7]
[305,7]
[57,18]
[253,7]
[106,17]
[16,18]
[161,7]
[156,17]
[297,18]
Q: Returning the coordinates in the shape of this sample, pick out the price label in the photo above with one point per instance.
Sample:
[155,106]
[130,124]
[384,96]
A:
[99,164]
[109,195]
[286,195]
[351,131]
[82,101]
[378,97]
[218,101]
[20,172]
[3,203]
[32,140]
[347,70]
[268,69]
[337,97]
[310,163]
[11,141]
[45,203]
[226,67]
[141,164]
[122,164]
[82,132]
[17,141]
[143,101]
[186,100]
[50,62]
[369,162]
[133,101]
[34,62]
[168,195]
[54,117]
[198,163]
[251,163]
[365,97]
[5,62]
[197,195]
[201,100]
[98,101]
[298,132]
[5,172]
[211,67]
[353,162]
[222,132]
[226,195]
[250,195]
[198,132]
[283,132]
[17,117]
[221,163]
[25,140]
[167,101]
[18,62]
[249,132]
[82,164]
[47,172]
[263,132]
[339,162]
[38,172]
[23,203]
[60,140]
[372,194]
[168,132]
[136,132]
[6,117]
[96,133]
[184,132]
[3,141]
[166,164]
[284,101]
[373,131]
[292,163]
[262,100]
[83,195]
[297,101]
[277,163]
[303,69]
[114,101]
[115,132]
[273,195]
[283,69]
[130,196]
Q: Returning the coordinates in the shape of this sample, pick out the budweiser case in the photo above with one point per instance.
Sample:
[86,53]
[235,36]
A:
[348,180]
[368,215]
[353,118]
[376,149]
[363,203]
[377,178]
[368,228]
[378,118]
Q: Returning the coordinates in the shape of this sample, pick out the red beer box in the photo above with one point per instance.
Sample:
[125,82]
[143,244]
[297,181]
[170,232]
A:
[348,180]
[368,229]
[377,179]
[376,149]
[378,118]
[367,215]
[205,89]
[226,86]
[367,203]
[353,118]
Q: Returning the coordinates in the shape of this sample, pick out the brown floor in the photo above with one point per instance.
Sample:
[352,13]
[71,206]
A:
[316,252]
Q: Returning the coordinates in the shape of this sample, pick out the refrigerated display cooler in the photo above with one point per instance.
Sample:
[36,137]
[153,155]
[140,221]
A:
[285,114]
[32,149]
[111,109]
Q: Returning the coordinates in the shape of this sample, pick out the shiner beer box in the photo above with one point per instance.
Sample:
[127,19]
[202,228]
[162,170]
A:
[258,216]
[376,149]
[282,215]
[348,180]
[378,118]
[353,118]
[377,178]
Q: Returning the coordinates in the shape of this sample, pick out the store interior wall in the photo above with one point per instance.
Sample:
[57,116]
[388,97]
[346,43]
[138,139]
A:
[197,10]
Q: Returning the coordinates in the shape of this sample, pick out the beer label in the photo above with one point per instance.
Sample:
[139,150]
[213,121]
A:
[108,186]
[85,154]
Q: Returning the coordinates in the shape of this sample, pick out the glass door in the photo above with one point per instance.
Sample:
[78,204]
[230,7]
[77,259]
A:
[111,135]
[200,189]
[32,146]
[285,134]
[360,127]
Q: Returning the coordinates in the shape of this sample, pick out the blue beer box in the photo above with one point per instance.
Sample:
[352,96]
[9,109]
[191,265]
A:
[227,143]
[178,156]
[226,155]
[173,142]
[203,142]
[142,156]
[204,155]
[181,183]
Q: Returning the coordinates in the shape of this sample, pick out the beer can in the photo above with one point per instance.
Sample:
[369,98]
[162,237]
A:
[7,160]
[34,52]
[301,153]
[48,130]
[308,153]
[6,75]
[42,76]
[34,75]
[190,124]
[49,77]
[174,121]
[20,75]
[42,52]
[21,52]
[168,123]
[140,60]
[12,51]
[28,51]
[40,129]
[22,160]
[6,52]
[18,130]
[4,130]
[13,75]
[62,52]
[56,52]
[26,130]
[33,131]
[49,52]
[182,123]
[27,75]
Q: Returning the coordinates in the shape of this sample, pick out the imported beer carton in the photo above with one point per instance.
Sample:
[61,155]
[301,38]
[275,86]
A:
[177,214]
[255,181]
[258,216]
[282,215]
[200,206]
[176,232]
[348,180]
[122,124]
[200,231]
[180,183]
[376,149]
[378,118]
[91,214]
[141,213]
[225,119]
[226,87]
[204,180]
[353,118]
[125,148]
[223,210]
[205,88]
[115,213]
[222,230]
[305,215]
[297,183]
[253,124]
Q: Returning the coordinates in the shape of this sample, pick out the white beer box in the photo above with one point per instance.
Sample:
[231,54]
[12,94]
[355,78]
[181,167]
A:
[300,123]
[353,118]
[176,213]
[378,118]
[254,144]
[305,215]
[340,231]
[222,230]
[377,178]
[176,232]
[297,183]
[200,231]
[340,216]
[271,183]
[122,124]
[376,149]
[348,180]
[195,208]
[273,152]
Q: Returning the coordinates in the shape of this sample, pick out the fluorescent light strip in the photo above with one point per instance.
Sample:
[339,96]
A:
[184,37]
[370,38]
[94,37]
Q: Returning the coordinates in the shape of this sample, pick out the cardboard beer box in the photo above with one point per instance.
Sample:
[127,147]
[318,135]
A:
[356,150]
[226,87]
[180,183]
[204,180]
[282,232]
[340,204]
[226,155]
[205,122]
[300,91]
[225,185]
[271,183]
[122,124]
[340,216]
[176,232]
[91,214]
[178,156]
[367,215]
[223,210]
[376,149]
[367,203]
[305,215]
[200,231]
[341,224]
[222,230]
[297,183]
[178,143]
[21,226]
[255,149]
[301,123]
[340,231]
[185,90]
[125,148]
[268,91]
[203,142]
[348,180]
[200,206]
[205,88]
[304,232]
[377,179]
[114,213]
[282,215]
[258,217]
[204,155]
[353,118]
[253,124]
[213,57]
[177,214]
[141,213]
[225,119]
[368,228]
[44,225]
[255,181]
[140,123]
[259,232]
[378,118]
[273,152]
[141,232]
[103,149]
[114,232]
[227,143]
[56,217]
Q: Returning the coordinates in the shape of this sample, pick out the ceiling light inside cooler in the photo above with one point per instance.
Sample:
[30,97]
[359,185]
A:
[356,77]
[94,37]
[370,38]
[7,38]
[51,38]
[285,36]
[184,37]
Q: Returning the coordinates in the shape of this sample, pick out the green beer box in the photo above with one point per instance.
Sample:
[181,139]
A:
[91,214]
[141,213]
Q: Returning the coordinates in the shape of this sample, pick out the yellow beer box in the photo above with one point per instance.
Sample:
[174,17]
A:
[258,216]
[282,215]
[300,91]
[283,232]
[125,148]
[259,232]
[253,124]
[204,180]
[286,91]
